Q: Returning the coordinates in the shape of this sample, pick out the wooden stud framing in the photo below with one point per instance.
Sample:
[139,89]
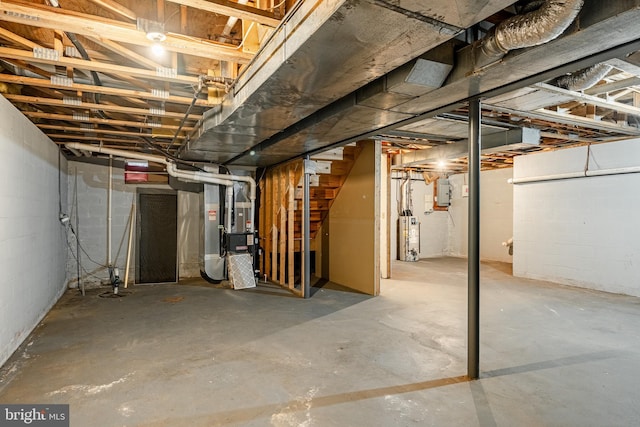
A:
[283,225]
[291,210]
[274,228]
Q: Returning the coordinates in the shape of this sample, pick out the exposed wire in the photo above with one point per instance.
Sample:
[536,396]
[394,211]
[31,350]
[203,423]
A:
[83,249]
[81,266]
[186,114]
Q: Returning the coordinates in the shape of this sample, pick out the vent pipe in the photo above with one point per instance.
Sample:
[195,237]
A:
[540,26]
[585,78]
[172,169]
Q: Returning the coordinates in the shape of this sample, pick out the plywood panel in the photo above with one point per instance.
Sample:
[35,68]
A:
[354,221]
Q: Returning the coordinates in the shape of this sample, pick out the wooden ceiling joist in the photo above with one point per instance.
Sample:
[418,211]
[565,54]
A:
[228,8]
[97,120]
[27,56]
[116,8]
[34,100]
[103,90]
[96,26]
[78,138]
[153,136]
[19,40]
[126,53]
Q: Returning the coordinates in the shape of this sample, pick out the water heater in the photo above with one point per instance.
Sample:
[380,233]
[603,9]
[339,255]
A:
[408,238]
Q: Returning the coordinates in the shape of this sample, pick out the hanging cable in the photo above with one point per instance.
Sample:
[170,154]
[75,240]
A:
[186,114]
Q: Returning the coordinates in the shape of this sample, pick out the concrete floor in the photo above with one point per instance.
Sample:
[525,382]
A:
[197,355]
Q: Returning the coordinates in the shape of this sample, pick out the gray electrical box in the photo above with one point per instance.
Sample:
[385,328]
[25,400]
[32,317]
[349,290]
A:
[444,192]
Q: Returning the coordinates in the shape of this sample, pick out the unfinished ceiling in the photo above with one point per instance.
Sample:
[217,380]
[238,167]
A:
[259,83]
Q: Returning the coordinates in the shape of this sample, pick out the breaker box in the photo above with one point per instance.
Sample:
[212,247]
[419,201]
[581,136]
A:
[444,192]
[408,238]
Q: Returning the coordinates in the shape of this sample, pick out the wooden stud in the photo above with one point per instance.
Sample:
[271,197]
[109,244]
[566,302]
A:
[283,225]
[261,226]
[290,225]
[274,228]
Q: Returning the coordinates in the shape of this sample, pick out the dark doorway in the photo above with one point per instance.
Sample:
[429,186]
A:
[157,236]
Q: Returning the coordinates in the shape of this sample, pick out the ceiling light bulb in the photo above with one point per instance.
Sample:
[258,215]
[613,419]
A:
[441,164]
[157,49]
[252,153]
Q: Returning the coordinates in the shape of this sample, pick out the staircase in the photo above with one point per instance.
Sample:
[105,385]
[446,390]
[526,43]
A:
[333,169]
[281,208]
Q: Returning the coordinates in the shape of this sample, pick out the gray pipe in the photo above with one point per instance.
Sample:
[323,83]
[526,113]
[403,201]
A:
[585,78]
[531,29]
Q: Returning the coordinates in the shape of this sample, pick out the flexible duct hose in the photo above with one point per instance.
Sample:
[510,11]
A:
[531,29]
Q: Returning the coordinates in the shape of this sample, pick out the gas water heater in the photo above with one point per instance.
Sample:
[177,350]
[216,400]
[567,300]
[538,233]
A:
[408,238]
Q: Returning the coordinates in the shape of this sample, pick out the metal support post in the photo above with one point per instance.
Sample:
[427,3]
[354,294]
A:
[473,271]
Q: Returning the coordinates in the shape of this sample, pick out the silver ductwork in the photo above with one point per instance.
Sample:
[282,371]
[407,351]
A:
[585,78]
[531,29]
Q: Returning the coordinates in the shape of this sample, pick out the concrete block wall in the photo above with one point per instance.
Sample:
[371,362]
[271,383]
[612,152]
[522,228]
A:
[32,245]
[92,189]
[582,232]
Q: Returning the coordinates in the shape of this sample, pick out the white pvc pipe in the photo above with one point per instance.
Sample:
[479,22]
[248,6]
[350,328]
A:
[76,152]
[229,207]
[109,191]
[573,175]
[172,169]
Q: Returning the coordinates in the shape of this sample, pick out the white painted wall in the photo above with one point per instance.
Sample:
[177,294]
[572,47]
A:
[92,184]
[32,248]
[582,232]
[433,226]
[496,215]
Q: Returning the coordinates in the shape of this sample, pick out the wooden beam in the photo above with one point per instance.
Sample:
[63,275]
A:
[27,56]
[35,100]
[32,68]
[68,138]
[70,118]
[228,8]
[117,8]
[126,53]
[106,131]
[96,26]
[19,40]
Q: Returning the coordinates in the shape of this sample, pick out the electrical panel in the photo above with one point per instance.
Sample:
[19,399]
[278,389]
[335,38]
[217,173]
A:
[444,192]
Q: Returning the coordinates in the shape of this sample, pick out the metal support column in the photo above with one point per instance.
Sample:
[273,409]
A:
[306,239]
[473,271]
